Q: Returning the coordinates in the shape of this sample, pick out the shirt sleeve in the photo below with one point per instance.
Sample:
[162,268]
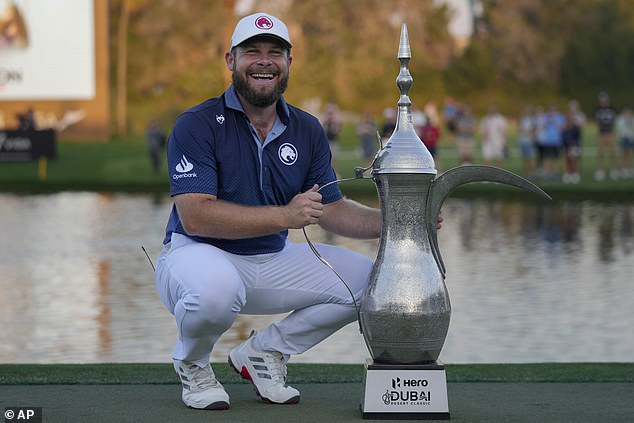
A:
[190,157]
[321,171]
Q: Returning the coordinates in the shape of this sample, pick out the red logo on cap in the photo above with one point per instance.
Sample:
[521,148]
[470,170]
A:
[263,22]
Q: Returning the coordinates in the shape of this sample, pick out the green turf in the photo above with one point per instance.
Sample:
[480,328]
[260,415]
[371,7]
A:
[96,374]
[124,165]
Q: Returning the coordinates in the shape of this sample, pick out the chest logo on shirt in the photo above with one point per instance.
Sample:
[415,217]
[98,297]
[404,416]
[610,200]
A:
[220,119]
[287,153]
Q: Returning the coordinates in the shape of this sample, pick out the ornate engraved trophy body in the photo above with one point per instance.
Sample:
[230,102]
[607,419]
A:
[404,314]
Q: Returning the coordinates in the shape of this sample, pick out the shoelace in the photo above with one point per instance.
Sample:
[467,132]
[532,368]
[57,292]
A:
[276,366]
[203,377]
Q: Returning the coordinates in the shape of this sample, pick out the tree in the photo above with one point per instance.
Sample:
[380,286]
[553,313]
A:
[523,51]
[342,50]
[347,50]
[125,8]
[122,61]
[601,57]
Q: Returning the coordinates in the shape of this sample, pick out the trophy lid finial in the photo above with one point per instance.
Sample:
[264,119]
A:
[404,80]
[404,151]
[404,51]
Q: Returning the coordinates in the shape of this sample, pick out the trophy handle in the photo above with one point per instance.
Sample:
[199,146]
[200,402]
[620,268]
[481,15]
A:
[444,184]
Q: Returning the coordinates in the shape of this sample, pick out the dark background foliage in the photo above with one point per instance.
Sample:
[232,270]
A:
[522,51]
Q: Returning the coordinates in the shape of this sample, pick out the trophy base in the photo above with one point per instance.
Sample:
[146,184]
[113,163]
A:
[404,391]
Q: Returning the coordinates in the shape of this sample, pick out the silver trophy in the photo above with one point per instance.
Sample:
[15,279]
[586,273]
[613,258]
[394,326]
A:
[404,313]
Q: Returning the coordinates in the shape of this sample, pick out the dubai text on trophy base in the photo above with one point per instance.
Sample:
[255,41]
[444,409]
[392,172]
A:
[402,391]
[405,311]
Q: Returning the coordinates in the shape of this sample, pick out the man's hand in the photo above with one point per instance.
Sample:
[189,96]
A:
[304,209]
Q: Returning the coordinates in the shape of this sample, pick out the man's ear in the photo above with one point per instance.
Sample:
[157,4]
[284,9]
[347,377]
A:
[229,60]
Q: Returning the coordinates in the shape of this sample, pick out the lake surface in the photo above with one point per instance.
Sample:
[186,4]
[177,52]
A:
[527,282]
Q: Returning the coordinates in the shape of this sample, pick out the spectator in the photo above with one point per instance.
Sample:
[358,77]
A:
[389,124]
[430,134]
[366,131]
[331,122]
[418,119]
[540,115]
[605,116]
[553,125]
[465,134]
[527,129]
[493,128]
[571,141]
[156,143]
[625,135]
[577,114]
[450,113]
[26,121]
[431,112]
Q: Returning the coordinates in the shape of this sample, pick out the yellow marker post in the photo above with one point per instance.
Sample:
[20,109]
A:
[42,165]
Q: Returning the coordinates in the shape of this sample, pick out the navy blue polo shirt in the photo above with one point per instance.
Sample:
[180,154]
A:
[214,149]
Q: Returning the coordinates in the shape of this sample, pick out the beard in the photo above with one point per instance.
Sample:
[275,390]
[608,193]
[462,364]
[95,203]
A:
[256,98]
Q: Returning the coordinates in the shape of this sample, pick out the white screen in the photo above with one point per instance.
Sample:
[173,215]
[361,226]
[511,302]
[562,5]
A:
[56,59]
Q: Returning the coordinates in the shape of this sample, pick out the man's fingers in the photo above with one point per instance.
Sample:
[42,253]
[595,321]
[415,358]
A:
[313,193]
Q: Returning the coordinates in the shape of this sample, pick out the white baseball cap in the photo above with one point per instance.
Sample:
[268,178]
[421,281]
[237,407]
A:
[260,24]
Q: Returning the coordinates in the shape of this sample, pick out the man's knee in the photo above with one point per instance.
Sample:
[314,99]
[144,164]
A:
[215,310]
[223,295]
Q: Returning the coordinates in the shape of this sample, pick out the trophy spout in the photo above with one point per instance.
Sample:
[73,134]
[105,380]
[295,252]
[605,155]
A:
[444,184]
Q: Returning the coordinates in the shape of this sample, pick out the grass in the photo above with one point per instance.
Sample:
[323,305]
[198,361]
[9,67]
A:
[117,165]
[137,373]
[124,165]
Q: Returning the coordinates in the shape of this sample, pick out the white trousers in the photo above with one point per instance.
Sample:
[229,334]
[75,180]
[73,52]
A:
[205,288]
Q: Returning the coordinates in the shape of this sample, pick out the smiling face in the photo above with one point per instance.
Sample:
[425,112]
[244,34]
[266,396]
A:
[260,70]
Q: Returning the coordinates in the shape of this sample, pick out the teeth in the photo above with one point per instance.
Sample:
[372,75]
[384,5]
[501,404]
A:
[262,75]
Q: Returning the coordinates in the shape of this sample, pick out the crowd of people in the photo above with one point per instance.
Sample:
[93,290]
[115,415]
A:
[548,141]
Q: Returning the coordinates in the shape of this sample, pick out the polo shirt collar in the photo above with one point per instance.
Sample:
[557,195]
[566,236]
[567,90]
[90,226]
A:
[233,102]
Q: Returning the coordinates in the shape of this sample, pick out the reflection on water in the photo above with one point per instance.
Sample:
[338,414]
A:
[527,283]
[549,283]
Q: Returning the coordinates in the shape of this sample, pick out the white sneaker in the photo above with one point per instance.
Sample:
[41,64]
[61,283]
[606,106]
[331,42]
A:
[614,174]
[200,388]
[266,370]
[599,175]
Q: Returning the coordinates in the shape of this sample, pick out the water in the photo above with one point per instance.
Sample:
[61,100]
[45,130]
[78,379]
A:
[527,283]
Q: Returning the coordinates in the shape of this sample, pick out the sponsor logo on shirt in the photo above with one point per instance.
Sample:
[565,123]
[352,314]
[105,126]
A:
[287,154]
[183,167]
